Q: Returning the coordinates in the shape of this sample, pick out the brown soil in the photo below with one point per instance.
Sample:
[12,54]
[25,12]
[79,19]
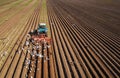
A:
[85,40]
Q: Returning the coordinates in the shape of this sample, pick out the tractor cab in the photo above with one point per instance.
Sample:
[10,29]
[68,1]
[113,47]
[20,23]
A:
[42,28]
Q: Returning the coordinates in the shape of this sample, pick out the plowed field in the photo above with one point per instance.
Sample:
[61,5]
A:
[85,39]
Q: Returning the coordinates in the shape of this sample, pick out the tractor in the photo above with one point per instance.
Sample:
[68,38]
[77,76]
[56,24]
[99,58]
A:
[40,34]
[42,28]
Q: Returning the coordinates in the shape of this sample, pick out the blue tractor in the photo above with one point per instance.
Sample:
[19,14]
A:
[42,28]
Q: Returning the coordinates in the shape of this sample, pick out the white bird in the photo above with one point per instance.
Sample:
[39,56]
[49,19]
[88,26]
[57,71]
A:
[27,43]
[28,51]
[39,55]
[22,48]
[48,46]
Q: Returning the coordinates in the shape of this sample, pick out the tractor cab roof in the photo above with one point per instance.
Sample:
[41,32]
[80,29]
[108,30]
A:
[42,25]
